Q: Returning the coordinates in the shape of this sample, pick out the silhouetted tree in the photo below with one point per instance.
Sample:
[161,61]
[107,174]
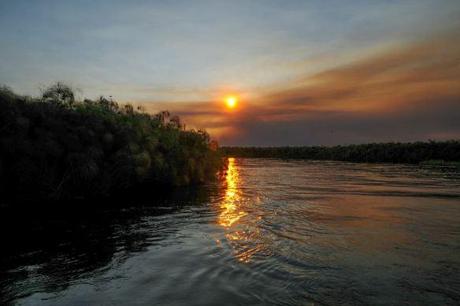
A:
[59,93]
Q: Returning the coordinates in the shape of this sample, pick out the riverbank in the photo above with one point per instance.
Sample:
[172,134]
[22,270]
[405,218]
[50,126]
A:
[444,153]
[55,148]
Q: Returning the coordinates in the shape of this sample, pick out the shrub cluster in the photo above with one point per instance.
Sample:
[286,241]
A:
[55,147]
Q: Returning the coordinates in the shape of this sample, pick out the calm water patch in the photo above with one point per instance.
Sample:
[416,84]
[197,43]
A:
[269,232]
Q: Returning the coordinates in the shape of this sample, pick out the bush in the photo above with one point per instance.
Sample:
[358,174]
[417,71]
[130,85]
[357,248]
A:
[54,147]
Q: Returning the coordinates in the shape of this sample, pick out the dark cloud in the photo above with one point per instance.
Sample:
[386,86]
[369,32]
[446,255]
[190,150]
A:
[429,121]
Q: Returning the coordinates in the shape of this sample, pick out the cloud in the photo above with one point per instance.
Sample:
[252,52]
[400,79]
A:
[404,93]
[428,121]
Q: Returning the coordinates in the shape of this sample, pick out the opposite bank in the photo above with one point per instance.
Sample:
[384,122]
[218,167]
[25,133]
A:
[432,152]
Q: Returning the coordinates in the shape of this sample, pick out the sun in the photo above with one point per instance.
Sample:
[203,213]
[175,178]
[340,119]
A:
[231,101]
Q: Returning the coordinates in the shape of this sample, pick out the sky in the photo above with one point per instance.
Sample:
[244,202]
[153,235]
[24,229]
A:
[304,72]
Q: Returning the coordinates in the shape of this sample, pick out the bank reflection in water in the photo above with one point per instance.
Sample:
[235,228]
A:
[242,234]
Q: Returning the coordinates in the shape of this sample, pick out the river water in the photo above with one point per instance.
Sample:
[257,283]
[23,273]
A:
[269,232]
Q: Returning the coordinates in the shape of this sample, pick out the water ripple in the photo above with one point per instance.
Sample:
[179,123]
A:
[270,233]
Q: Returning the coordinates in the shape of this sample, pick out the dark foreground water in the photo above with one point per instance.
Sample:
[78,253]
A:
[270,232]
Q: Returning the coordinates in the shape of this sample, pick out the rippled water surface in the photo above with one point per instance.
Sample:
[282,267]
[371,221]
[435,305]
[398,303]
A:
[269,232]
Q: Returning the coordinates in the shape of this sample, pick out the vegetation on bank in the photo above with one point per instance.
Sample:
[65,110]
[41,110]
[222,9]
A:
[417,152]
[55,147]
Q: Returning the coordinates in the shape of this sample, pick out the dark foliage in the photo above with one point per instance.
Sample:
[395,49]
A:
[54,147]
[371,153]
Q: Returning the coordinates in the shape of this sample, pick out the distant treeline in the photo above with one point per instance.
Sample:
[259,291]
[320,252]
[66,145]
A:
[372,153]
[54,147]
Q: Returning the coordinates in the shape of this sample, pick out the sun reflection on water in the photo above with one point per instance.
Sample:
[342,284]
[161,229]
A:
[231,209]
[242,234]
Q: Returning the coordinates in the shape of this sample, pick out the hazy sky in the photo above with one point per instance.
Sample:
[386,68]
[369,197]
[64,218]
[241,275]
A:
[306,72]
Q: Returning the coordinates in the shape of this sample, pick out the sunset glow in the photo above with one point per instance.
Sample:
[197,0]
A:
[231,101]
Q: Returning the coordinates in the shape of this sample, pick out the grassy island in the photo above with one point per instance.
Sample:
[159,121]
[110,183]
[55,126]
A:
[55,147]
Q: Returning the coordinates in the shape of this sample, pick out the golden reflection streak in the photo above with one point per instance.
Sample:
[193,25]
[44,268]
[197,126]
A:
[231,212]
[244,237]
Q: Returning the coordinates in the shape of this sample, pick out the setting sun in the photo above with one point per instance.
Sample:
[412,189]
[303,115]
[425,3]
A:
[231,101]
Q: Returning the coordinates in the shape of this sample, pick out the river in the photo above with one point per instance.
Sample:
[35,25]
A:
[268,232]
